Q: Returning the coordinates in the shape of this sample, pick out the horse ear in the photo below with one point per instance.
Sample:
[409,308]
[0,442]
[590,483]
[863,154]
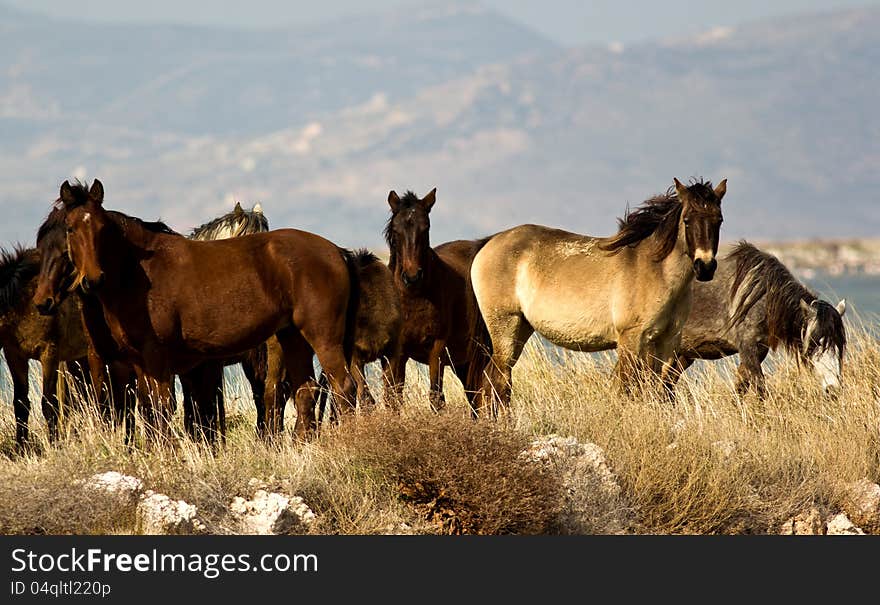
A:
[257,209]
[96,192]
[238,209]
[807,308]
[429,199]
[66,194]
[721,189]
[841,307]
[680,189]
[393,200]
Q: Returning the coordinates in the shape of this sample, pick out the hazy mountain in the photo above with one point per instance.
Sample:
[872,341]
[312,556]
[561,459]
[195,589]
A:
[319,124]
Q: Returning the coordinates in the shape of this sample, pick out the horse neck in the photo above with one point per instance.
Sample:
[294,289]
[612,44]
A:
[128,242]
[677,266]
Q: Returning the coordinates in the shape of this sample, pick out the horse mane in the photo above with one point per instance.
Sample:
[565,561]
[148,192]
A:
[17,267]
[80,191]
[659,214]
[408,201]
[244,222]
[761,275]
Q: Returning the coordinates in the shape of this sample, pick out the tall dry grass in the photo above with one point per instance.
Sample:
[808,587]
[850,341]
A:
[712,463]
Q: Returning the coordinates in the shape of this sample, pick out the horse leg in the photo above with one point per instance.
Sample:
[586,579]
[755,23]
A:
[509,336]
[18,368]
[462,372]
[669,370]
[275,398]
[626,370]
[393,380]
[254,366]
[99,386]
[365,399]
[749,372]
[51,407]
[297,355]
[435,374]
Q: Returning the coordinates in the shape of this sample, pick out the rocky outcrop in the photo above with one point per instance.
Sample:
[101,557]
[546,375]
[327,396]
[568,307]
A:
[271,513]
[157,514]
[593,495]
[124,488]
[814,523]
[863,504]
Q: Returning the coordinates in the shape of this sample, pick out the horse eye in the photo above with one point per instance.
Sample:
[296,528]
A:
[70,229]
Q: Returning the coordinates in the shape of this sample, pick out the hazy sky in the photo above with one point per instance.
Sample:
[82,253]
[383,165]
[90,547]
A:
[567,21]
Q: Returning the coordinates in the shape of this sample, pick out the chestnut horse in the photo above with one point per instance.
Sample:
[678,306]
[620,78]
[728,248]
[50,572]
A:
[171,302]
[440,314]
[631,291]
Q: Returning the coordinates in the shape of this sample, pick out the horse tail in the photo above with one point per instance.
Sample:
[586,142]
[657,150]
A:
[353,262]
[480,344]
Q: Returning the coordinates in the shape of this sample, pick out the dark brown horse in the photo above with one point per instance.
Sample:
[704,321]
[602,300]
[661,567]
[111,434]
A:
[25,335]
[440,314]
[171,302]
[377,326]
[254,363]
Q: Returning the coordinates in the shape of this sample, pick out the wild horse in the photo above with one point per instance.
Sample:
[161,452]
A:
[25,335]
[630,291]
[440,315]
[172,302]
[755,305]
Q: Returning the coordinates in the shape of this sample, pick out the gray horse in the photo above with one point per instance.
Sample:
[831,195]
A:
[754,305]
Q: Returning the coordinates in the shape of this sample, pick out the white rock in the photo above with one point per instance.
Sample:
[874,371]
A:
[271,514]
[593,494]
[840,525]
[810,523]
[125,487]
[864,501]
[157,514]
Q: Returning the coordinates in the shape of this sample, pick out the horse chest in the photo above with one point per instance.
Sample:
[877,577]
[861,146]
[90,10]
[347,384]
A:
[422,323]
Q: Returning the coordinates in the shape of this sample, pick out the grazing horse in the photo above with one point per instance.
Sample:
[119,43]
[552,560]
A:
[172,303]
[254,363]
[630,291]
[440,314]
[377,326]
[25,334]
[755,304]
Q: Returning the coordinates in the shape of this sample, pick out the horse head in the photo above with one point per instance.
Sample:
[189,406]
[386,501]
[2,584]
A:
[824,342]
[701,222]
[407,233]
[86,223]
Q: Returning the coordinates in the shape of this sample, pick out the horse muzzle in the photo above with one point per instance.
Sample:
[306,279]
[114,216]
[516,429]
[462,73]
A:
[705,271]
[412,280]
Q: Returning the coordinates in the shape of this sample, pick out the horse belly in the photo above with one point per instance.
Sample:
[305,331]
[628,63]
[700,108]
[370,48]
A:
[573,329]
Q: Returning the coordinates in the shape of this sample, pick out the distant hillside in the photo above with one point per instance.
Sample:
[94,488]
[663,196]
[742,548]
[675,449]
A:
[319,124]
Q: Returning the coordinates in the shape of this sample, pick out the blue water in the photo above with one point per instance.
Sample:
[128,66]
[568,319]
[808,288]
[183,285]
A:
[862,293]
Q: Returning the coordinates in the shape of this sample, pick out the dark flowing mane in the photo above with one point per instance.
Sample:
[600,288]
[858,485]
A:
[762,275]
[659,214]
[408,201]
[240,222]
[17,267]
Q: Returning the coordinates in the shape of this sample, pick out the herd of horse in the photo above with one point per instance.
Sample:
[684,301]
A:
[129,304]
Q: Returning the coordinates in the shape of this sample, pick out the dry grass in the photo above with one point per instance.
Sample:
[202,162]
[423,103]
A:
[710,464]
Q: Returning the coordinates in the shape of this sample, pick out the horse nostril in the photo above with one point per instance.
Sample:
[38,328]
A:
[45,307]
[419,274]
[99,282]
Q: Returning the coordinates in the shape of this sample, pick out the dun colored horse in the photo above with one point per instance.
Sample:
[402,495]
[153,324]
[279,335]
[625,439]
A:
[440,314]
[631,291]
[25,335]
[172,302]
[755,305]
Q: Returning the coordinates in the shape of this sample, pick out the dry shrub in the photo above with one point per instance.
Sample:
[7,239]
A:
[467,477]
